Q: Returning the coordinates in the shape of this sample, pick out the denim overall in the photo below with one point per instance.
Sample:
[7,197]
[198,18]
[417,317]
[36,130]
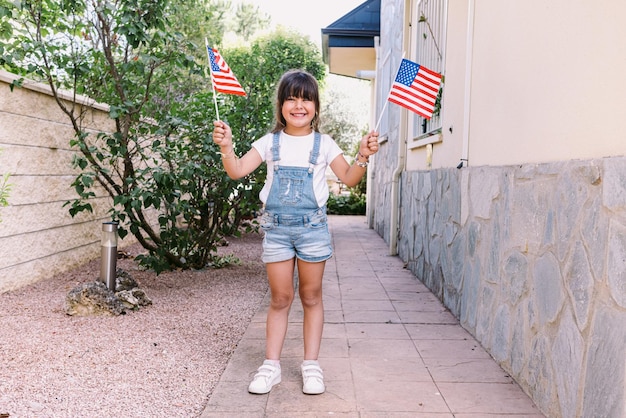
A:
[293,222]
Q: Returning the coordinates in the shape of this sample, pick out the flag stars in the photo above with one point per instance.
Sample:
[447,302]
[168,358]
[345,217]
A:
[407,72]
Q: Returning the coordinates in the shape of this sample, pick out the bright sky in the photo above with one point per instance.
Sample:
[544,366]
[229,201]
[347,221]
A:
[307,17]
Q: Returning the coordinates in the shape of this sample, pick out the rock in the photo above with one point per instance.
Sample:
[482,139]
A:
[141,296]
[133,299]
[124,281]
[96,299]
[128,300]
[92,299]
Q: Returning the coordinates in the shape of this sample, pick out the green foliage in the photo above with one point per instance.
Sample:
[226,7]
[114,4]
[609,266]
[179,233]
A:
[198,20]
[249,19]
[5,188]
[211,20]
[159,165]
[350,204]
[224,261]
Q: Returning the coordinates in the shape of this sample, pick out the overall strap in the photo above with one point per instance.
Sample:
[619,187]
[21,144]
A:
[276,149]
[315,152]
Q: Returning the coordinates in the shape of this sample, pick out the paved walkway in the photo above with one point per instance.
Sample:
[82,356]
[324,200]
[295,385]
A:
[390,349]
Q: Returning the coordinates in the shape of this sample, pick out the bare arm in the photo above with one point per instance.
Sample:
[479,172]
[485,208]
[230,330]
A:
[350,175]
[234,166]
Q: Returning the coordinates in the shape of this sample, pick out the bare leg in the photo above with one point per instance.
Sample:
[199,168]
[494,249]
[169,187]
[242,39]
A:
[280,277]
[310,290]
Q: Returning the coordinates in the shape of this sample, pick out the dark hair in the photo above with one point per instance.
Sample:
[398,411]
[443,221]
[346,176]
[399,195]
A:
[299,84]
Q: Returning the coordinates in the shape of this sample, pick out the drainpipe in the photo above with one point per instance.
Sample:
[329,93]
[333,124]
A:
[468,82]
[394,221]
[371,76]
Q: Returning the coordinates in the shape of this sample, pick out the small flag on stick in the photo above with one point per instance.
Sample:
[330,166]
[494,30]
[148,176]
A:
[222,77]
[415,88]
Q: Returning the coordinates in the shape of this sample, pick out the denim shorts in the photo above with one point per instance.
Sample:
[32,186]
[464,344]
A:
[288,236]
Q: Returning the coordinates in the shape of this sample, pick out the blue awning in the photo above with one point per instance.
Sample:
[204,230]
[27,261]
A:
[357,29]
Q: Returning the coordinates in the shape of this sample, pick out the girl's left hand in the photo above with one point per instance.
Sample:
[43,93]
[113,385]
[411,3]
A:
[369,144]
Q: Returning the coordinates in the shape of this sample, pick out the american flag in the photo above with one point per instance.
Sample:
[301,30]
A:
[222,77]
[415,88]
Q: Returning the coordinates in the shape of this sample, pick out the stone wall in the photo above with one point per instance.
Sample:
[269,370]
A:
[38,237]
[532,260]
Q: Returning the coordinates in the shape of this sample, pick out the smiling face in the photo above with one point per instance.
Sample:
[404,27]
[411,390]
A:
[297,103]
[298,114]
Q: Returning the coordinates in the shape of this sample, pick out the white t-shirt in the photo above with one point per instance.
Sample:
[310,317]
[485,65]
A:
[295,151]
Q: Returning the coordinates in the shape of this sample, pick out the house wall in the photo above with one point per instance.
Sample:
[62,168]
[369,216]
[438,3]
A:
[38,237]
[547,81]
[526,244]
[449,150]
[544,82]
[530,258]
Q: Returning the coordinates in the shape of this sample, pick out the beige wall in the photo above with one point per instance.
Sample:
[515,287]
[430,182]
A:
[447,147]
[38,237]
[546,83]
[525,246]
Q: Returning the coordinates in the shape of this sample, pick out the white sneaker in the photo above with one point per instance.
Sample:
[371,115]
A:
[312,378]
[265,378]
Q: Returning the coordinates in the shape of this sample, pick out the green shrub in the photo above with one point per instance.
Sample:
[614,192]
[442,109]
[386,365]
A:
[5,188]
[352,204]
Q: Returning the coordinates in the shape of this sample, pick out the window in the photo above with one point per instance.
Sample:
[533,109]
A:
[428,30]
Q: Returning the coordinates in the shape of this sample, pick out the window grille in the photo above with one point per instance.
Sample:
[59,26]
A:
[428,30]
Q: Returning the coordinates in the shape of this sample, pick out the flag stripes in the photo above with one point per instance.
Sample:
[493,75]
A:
[222,77]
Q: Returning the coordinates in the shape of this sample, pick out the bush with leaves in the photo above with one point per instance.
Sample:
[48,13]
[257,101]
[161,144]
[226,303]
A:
[355,201]
[350,204]
[5,188]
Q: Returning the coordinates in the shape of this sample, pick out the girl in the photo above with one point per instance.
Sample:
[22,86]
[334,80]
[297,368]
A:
[294,217]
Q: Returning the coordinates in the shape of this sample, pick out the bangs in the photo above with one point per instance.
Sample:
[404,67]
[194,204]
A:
[299,85]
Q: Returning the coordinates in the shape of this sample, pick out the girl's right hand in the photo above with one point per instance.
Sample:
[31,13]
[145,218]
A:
[222,135]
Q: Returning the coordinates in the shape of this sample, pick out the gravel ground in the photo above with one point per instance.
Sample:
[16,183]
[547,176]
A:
[161,361]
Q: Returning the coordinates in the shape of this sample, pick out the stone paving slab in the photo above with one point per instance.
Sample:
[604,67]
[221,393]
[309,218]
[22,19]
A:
[390,349]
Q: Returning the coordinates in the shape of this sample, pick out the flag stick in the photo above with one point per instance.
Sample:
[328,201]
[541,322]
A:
[217,112]
[382,112]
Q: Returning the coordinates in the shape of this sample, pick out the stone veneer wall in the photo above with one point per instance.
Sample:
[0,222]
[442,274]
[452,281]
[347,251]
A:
[532,260]
[38,237]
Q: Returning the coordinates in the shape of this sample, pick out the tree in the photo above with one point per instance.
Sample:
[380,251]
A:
[200,19]
[159,160]
[120,54]
[338,120]
[250,20]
